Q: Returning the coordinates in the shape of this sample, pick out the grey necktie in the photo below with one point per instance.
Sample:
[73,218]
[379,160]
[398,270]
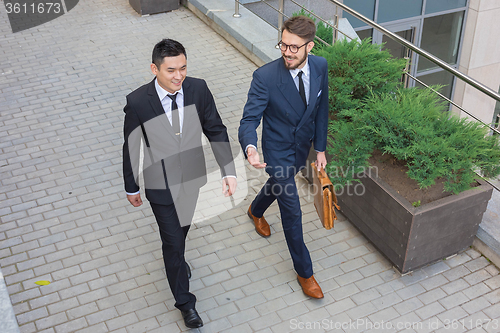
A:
[176,125]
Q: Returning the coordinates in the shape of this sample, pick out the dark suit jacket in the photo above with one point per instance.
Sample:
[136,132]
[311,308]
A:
[288,131]
[168,161]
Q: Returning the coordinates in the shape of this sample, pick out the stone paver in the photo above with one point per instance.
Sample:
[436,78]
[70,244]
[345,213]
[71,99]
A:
[64,217]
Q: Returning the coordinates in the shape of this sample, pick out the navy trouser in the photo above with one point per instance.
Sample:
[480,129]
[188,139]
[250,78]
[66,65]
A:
[173,238]
[285,191]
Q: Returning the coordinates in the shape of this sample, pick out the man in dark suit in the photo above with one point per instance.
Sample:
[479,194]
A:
[290,94]
[164,123]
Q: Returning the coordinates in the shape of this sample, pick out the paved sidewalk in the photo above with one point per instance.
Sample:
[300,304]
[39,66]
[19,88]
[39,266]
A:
[64,217]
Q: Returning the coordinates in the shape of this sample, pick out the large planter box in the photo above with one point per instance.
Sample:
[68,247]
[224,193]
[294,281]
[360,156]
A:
[145,7]
[412,237]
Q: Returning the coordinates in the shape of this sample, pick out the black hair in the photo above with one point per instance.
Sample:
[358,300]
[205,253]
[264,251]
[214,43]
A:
[167,48]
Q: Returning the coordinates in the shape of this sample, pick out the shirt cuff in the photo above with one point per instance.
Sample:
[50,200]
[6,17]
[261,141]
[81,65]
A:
[133,193]
[250,145]
[229,176]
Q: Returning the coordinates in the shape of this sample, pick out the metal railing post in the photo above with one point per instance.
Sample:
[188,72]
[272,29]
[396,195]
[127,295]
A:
[336,24]
[280,18]
[236,9]
[409,49]
[476,84]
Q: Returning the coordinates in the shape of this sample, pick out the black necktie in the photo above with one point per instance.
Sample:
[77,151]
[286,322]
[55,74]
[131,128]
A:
[302,91]
[176,125]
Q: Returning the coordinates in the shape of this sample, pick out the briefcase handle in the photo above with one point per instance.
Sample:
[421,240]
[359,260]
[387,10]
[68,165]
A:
[326,183]
[323,177]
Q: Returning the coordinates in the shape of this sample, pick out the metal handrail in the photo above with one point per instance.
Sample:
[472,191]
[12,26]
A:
[236,9]
[322,20]
[450,101]
[479,86]
[281,12]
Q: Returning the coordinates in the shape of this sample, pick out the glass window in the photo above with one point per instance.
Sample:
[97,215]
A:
[442,78]
[441,37]
[435,6]
[398,50]
[391,10]
[366,33]
[364,7]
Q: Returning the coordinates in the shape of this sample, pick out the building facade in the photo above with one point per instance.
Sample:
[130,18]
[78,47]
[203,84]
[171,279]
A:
[463,33]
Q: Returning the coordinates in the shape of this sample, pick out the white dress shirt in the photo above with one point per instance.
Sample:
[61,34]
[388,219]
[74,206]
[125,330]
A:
[306,78]
[166,102]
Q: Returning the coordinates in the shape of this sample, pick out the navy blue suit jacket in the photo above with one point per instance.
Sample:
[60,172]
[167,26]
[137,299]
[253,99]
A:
[288,131]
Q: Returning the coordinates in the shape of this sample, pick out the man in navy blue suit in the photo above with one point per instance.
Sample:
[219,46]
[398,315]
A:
[290,95]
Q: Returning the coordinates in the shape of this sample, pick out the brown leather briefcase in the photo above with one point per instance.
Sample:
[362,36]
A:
[325,199]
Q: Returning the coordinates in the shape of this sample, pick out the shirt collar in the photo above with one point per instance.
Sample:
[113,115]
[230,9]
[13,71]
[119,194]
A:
[162,92]
[304,69]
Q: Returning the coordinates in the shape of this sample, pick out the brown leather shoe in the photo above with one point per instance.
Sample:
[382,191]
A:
[261,225]
[310,287]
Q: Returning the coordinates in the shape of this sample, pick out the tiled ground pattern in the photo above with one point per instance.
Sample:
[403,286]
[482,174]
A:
[65,219]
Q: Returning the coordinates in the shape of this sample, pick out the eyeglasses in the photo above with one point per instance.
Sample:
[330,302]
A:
[293,48]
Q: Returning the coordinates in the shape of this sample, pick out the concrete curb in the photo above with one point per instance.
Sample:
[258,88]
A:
[248,33]
[487,240]
[8,322]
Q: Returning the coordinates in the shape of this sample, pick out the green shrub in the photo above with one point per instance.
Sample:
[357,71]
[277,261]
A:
[354,69]
[411,125]
[348,149]
[370,110]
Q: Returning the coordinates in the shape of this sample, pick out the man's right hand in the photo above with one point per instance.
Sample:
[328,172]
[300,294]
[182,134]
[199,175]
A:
[135,199]
[254,159]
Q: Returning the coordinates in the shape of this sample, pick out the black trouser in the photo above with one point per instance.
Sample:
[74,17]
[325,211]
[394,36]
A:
[173,238]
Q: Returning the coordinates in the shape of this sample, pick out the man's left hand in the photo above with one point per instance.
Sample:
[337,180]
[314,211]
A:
[228,186]
[320,160]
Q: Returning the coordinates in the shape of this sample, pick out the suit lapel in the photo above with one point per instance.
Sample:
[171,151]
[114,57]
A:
[314,85]
[155,103]
[154,100]
[188,100]
[314,88]
[289,89]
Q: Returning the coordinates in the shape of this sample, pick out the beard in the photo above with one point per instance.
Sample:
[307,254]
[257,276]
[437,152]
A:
[301,61]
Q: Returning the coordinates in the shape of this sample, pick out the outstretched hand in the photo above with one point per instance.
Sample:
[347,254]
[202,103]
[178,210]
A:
[254,159]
